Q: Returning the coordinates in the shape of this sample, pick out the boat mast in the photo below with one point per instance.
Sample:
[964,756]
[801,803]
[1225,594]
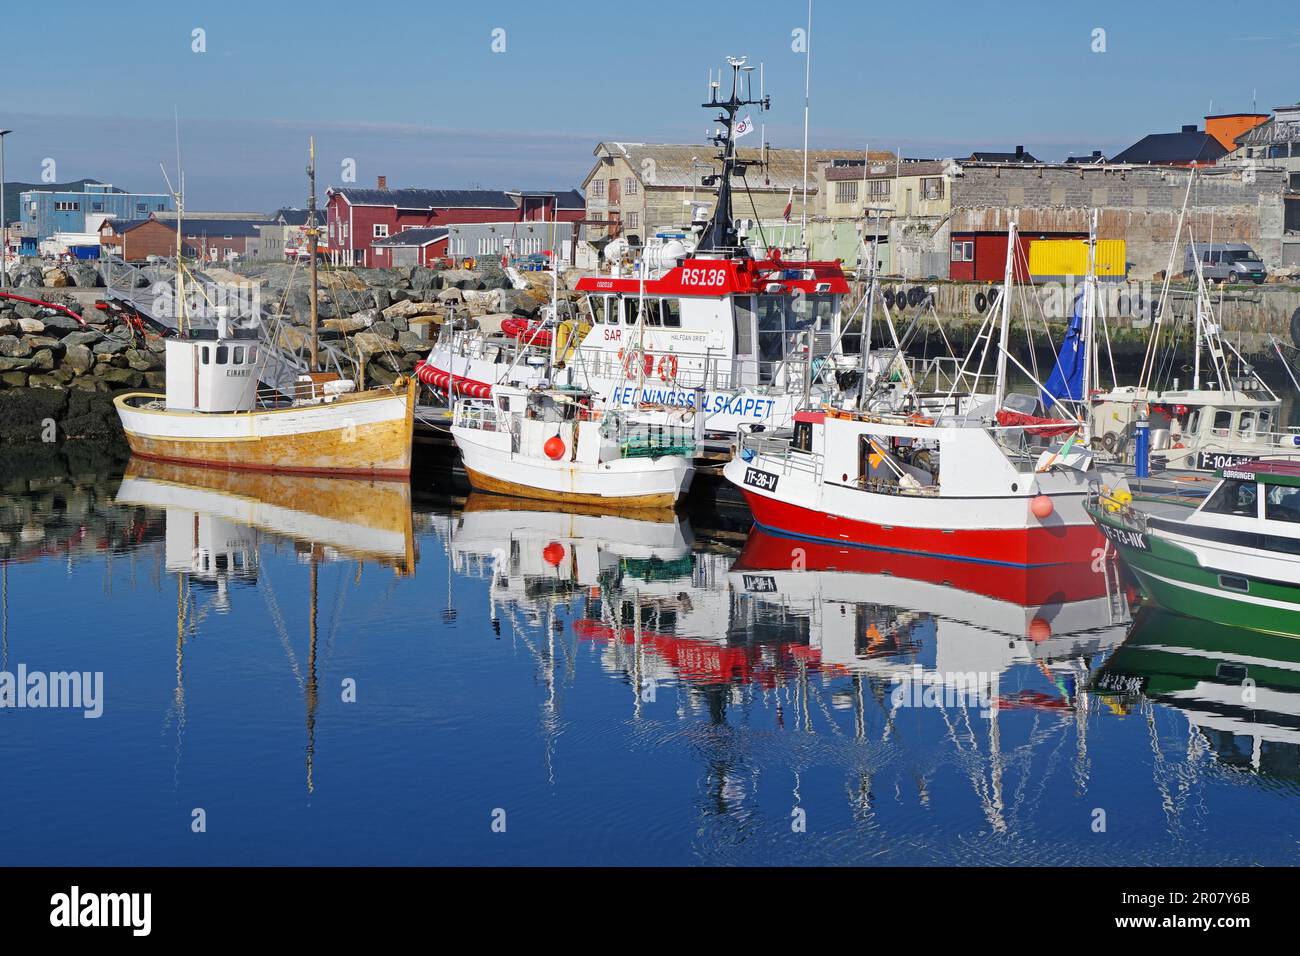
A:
[720,235]
[807,96]
[1004,338]
[313,240]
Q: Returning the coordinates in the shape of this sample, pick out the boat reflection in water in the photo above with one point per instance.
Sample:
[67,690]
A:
[865,609]
[217,523]
[1239,689]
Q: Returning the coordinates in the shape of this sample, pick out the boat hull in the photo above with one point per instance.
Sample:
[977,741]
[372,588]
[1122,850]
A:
[1038,545]
[1172,577]
[363,435]
[637,483]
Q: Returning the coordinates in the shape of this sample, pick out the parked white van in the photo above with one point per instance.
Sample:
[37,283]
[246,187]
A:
[1229,262]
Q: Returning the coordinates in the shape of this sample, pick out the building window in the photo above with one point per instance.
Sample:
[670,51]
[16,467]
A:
[598,189]
[846,191]
[634,220]
[162,207]
[963,251]
[932,188]
[97,206]
[381,230]
[879,188]
[630,186]
[64,206]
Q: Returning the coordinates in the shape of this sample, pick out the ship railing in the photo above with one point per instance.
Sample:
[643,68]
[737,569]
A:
[481,414]
[691,371]
[778,451]
[1111,500]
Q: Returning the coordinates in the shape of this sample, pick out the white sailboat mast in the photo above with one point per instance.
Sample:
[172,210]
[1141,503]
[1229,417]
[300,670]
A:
[1004,335]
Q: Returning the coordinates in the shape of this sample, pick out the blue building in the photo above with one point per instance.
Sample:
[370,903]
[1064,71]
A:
[80,207]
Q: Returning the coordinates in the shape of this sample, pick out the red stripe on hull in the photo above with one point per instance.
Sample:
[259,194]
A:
[1042,545]
[1026,586]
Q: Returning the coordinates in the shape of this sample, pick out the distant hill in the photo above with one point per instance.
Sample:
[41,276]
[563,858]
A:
[13,190]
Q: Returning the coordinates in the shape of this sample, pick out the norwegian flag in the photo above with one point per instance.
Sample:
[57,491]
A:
[789,205]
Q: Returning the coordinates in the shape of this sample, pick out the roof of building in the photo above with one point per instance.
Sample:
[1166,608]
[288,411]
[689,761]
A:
[222,227]
[291,216]
[680,167]
[1019,156]
[1189,145]
[414,237]
[858,170]
[569,199]
[121,226]
[427,198]
[1095,158]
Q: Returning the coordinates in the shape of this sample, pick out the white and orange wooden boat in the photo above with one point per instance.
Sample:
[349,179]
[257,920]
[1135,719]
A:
[554,445]
[214,414]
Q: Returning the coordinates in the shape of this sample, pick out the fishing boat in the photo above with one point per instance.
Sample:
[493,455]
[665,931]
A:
[556,445]
[1231,561]
[214,412]
[995,483]
[1227,416]
[709,321]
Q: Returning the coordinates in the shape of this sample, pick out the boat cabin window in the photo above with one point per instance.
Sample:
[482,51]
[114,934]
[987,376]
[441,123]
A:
[223,354]
[631,309]
[1282,503]
[782,320]
[744,311]
[1222,424]
[1246,425]
[672,313]
[1194,421]
[802,440]
[600,310]
[252,355]
[207,355]
[239,355]
[1238,498]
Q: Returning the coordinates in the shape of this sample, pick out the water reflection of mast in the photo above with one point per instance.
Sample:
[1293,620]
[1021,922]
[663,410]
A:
[311,690]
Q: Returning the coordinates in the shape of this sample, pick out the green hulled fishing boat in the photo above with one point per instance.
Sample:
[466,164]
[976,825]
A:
[1235,560]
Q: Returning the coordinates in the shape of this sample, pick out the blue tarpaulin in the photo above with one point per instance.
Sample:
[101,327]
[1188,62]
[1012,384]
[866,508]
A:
[1066,381]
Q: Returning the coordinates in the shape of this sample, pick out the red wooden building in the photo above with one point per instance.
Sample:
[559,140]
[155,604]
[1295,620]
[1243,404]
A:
[358,218]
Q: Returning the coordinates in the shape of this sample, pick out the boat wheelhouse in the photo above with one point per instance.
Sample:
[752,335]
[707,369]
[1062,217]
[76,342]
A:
[1232,561]
[717,323]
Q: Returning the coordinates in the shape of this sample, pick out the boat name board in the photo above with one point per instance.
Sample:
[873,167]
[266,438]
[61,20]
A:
[760,583]
[1213,461]
[1125,538]
[763,480]
[712,403]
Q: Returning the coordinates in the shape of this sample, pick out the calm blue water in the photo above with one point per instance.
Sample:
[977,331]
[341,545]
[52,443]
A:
[626,692]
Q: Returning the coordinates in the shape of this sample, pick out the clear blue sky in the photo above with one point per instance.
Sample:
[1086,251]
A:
[414,90]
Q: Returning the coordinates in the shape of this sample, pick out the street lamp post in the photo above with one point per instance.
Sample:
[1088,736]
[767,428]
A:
[4,223]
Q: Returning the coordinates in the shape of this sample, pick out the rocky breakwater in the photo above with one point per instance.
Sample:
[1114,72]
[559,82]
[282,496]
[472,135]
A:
[388,319]
[57,369]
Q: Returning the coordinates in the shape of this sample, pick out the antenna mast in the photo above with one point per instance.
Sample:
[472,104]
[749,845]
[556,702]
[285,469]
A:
[313,238]
[720,235]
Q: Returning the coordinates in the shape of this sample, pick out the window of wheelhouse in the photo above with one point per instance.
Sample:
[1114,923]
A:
[1282,503]
[802,440]
[1233,497]
[631,309]
[671,312]
[744,315]
[223,355]
[1222,424]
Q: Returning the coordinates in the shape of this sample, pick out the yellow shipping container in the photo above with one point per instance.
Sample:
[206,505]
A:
[1056,258]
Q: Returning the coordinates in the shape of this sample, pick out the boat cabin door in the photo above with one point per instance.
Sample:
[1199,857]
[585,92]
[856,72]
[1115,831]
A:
[744,366]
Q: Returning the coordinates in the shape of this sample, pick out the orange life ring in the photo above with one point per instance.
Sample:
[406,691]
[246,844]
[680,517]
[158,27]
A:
[667,367]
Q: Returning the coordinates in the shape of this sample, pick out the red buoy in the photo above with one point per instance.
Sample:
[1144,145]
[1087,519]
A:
[1042,507]
[553,553]
[554,448]
[1039,630]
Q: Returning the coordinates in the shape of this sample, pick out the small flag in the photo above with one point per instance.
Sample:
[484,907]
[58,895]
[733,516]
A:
[789,205]
[741,128]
